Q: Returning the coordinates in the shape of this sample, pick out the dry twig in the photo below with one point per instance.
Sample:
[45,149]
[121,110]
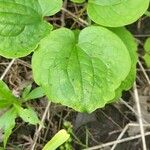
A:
[40,126]
[7,69]
[137,101]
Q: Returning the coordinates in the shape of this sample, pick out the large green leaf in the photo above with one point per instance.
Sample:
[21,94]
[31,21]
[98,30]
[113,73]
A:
[50,7]
[85,74]
[22,25]
[115,13]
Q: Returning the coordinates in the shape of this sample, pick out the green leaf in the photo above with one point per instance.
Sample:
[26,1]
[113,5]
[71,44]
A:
[7,123]
[147,13]
[4,103]
[50,7]
[116,13]
[147,59]
[34,94]
[78,1]
[28,115]
[147,52]
[22,25]
[61,137]
[4,91]
[6,96]
[131,45]
[106,2]
[147,46]
[83,75]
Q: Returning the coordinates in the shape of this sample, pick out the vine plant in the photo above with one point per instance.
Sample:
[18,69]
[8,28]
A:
[84,69]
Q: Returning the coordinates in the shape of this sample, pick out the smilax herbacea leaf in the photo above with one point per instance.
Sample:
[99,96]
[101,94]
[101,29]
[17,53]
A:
[116,13]
[81,73]
[22,25]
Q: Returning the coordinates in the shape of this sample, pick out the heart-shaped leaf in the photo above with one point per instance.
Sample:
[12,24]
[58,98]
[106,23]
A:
[22,25]
[83,75]
[116,13]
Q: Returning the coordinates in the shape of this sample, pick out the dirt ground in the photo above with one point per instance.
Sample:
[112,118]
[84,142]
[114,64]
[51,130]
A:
[87,130]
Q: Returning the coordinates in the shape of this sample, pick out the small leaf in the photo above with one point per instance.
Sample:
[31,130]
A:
[34,94]
[5,103]
[5,91]
[26,91]
[147,59]
[50,7]
[28,115]
[60,138]
[147,46]
[106,2]
[82,74]
[116,13]
[7,123]
[6,96]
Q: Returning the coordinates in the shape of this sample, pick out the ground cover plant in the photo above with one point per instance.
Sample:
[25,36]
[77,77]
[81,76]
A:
[82,68]
[147,51]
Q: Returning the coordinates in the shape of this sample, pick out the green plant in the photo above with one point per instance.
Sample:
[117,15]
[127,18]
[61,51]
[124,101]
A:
[69,128]
[81,69]
[21,20]
[90,65]
[91,77]
[147,52]
[115,13]
[80,75]
[60,138]
[17,107]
